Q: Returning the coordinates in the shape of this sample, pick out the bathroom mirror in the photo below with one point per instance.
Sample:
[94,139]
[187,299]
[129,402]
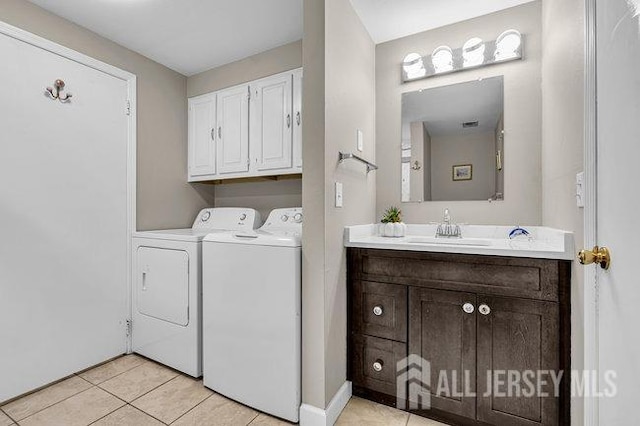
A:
[453,142]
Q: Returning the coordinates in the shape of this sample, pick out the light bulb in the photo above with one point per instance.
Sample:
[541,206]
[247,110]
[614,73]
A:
[413,66]
[507,45]
[442,59]
[473,52]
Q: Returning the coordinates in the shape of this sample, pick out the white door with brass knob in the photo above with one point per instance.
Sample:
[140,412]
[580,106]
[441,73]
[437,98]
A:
[612,290]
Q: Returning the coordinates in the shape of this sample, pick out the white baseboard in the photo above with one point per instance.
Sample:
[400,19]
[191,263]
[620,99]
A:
[313,416]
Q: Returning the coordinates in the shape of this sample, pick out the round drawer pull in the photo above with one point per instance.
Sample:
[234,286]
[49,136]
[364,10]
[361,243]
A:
[378,310]
[468,308]
[484,309]
[377,366]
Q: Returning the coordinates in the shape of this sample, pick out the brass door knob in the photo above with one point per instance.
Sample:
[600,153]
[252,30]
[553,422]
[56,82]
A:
[599,255]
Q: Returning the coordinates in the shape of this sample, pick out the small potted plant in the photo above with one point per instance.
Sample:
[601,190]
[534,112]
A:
[392,225]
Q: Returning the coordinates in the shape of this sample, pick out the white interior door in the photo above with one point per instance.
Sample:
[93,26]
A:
[272,122]
[64,217]
[233,130]
[202,136]
[617,347]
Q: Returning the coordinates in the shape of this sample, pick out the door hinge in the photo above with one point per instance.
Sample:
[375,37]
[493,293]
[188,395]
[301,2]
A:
[249,93]
[129,327]
[128,108]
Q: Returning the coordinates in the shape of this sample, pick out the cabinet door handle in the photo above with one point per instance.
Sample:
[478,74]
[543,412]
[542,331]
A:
[298,117]
[288,121]
[220,132]
[484,309]
[213,134]
[468,308]
[378,365]
[378,310]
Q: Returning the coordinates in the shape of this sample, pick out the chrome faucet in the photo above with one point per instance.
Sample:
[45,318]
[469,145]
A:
[446,229]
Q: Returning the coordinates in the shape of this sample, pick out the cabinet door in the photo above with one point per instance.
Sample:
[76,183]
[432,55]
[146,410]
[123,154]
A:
[297,121]
[202,135]
[516,336]
[443,335]
[271,122]
[233,130]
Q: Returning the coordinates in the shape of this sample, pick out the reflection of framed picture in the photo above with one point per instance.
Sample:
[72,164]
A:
[463,172]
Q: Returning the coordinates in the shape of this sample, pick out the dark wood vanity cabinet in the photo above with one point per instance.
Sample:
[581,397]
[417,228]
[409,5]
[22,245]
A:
[475,319]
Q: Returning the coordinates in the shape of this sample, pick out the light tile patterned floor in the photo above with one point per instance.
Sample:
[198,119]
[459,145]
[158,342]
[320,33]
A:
[134,391]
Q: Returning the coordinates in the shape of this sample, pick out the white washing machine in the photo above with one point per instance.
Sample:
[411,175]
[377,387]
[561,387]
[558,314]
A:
[251,302]
[167,287]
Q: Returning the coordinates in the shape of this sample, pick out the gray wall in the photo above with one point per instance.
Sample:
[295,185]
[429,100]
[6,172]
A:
[523,194]
[313,203]
[165,199]
[563,145]
[473,148]
[262,196]
[350,105]
[339,98]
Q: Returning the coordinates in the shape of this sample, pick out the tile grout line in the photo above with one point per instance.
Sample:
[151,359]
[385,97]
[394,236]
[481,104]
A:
[149,391]
[193,408]
[144,361]
[49,406]
[14,421]
[253,419]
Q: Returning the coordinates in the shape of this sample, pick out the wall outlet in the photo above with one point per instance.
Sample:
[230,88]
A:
[360,139]
[339,194]
[580,189]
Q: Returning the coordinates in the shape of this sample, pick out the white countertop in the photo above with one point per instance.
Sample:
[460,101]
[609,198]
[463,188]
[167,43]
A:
[544,243]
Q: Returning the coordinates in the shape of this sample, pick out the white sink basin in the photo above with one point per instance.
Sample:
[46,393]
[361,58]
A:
[450,241]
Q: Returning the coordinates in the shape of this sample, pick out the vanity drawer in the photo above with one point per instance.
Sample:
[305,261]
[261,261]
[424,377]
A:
[380,310]
[374,363]
[502,276]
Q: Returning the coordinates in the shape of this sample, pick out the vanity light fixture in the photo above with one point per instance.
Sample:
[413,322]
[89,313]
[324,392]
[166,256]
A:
[413,66]
[442,59]
[508,45]
[474,53]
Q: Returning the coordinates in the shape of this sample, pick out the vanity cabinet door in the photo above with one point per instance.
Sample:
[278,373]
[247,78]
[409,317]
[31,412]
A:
[272,122]
[442,331]
[233,130]
[202,137]
[516,335]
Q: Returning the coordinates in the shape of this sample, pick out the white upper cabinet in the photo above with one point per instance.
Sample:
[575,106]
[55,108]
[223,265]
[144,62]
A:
[297,119]
[249,130]
[271,122]
[233,130]
[202,137]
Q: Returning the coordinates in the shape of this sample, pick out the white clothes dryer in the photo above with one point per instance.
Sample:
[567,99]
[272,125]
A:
[167,287]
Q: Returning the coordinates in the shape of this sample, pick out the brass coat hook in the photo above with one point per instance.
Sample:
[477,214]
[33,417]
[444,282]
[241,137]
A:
[58,87]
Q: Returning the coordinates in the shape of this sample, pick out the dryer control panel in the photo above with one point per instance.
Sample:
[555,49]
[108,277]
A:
[288,218]
[228,218]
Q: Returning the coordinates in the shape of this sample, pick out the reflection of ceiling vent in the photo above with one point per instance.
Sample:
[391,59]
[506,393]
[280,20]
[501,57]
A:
[469,124]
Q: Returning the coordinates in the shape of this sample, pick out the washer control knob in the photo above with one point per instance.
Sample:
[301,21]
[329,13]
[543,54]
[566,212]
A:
[243,216]
[205,216]
[284,218]
[298,217]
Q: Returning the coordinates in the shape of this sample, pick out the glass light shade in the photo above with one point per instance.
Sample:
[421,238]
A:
[507,45]
[473,52]
[442,59]
[414,66]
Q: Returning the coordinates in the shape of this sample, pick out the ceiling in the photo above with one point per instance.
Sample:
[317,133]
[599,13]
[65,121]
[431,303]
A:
[188,36]
[391,19]
[444,109]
